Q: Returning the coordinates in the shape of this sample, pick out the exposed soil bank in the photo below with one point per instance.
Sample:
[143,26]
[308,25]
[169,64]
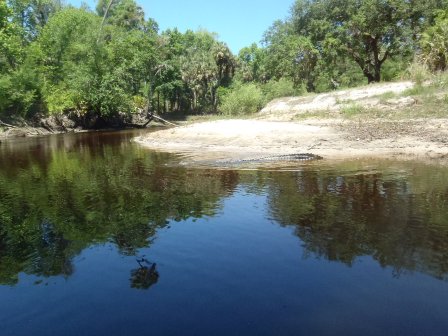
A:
[63,123]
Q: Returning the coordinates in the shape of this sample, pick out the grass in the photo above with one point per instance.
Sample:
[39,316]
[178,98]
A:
[385,97]
[351,110]
[214,117]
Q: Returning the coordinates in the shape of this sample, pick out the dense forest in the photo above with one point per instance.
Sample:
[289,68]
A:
[114,61]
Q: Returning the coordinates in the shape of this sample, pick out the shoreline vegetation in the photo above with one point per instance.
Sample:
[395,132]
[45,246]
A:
[395,120]
[68,69]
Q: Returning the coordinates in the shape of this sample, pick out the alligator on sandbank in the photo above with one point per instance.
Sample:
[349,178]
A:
[273,158]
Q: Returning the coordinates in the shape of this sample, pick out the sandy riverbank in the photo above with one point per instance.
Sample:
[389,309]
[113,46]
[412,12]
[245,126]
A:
[275,130]
[331,139]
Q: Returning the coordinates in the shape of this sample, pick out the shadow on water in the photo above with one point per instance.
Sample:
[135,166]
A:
[145,275]
[62,194]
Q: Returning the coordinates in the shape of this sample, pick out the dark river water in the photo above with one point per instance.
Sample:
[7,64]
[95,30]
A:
[99,236]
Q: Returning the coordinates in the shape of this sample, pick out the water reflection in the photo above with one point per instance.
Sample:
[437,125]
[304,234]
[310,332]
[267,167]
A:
[62,194]
[396,219]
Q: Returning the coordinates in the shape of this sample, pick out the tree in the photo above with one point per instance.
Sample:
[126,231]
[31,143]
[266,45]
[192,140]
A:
[32,15]
[122,13]
[290,55]
[71,61]
[17,80]
[205,65]
[167,80]
[369,31]
[251,64]
[11,49]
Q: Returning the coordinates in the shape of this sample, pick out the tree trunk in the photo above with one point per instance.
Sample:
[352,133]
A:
[195,99]
[149,108]
[377,75]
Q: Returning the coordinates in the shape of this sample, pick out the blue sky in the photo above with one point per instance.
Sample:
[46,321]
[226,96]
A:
[239,23]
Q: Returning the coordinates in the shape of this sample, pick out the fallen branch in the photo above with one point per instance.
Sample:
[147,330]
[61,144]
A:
[165,121]
[47,127]
[7,125]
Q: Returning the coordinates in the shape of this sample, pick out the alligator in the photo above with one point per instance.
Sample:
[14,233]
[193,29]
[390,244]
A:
[273,158]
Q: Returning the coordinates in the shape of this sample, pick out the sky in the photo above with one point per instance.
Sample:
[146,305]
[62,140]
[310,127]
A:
[239,23]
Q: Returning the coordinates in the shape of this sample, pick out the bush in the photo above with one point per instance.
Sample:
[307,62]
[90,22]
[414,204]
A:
[242,99]
[281,88]
[393,69]
[434,43]
[418,73]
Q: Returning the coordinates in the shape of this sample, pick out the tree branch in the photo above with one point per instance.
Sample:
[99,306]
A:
[104,20]
[7,125]
[386,55]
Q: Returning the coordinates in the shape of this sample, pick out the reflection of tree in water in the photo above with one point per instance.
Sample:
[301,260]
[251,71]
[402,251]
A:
[398,220]
[65,198]
[44,252]
[145,275]
[61,201]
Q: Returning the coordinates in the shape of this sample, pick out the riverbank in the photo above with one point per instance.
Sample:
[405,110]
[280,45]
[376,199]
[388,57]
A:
[329,138]
[370,122]
[71,123]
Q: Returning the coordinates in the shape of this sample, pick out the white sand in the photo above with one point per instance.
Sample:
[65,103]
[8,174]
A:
[236,139]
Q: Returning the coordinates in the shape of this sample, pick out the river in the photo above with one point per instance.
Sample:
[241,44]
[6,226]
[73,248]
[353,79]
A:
[100,236]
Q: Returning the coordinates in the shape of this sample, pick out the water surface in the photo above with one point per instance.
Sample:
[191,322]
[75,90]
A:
[99,236]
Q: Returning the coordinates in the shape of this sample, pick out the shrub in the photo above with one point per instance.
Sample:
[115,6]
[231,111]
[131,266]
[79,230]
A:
[434,43]
[242,99]
[281,88]
[418,72]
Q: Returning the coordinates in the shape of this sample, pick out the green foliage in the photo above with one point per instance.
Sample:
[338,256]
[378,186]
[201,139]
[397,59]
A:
[351,110]
[82,72]
[330,44]
[281,88]
[394,69]
[122,13]
[440,80]
[251,64]
[10,42]
[18,80]
[32,15]
[56,59]
[368,32]
[242,99]
[290,55]
[68,55]
[434,43]
[418,73]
